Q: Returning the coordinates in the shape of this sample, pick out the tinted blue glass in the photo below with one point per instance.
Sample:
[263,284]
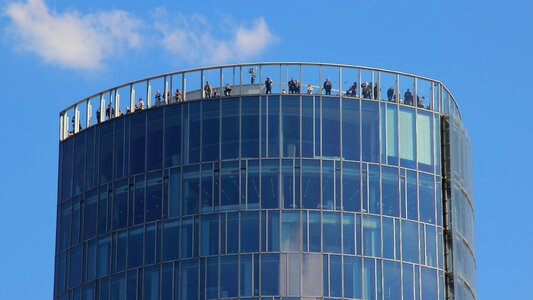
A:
[102,209]
[374,189]
[171,239]
[351,129]
[153,196]
[75,266]
[371,235]
[389,238]
[352,277]
[207,187]
[104,247]
[61,272]
[186,237]
[369,279]
[151,283]
[131,291]
[253,184]
[273,230]
[189,279]
[269,274]
[105,153]
[269,183]
[90,260]
[212,278]
[104,288]
[75,221]
[431,246]
[139,199]
[190,189]
[250,127]
[66,169]
[426,191]
[249,231]
[154,140]
[290,198]
[230,128]
[392,281]
[351,186]
[308,135]
[331,127]
[174,204]
[88,292]
[166,281]
[229,276]
[79,163]
[118,287]
[412,194]
[370,131]
[119,255]
[290,230]
[335,276]
[348,232]
[209,235]
[120,204]
[273,126]
[390,198]
[89,157]
[137,142]
[246,275]
[229,186]
[119,147]
[311,184]
[429,283]
[172,135]
[332,232]
[290,128]
[328,184]
[315,232]
[407,281]
[312,265]
[191,123]
[135,246]
[210,130]
[409,241]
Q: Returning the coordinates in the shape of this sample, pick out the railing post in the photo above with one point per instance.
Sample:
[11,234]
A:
[202,91]
[132,99]
[166,92]
[184,88]
[102,108]
[148,94]
[89,113]
[117,103]
[61,124]
[76,120]
[397,88]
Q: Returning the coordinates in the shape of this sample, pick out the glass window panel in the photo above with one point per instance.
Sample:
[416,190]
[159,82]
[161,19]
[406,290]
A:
[412,196]
[166,281]
[229,188]
[151,283]
[392,281]
[175,189]
[120,204]
[348,232]
[171,238]
[233,232]
[290,230]
[104,247]
[408,282]
[102,210]
[426,192]
[75,222]
[190,189]
[119,254]
[410,241]
[273,107]
[132,280]
[388,238]
[106,152]
[315,232]
[352,277]
[66,168]
[186,237]
[210,130]
[312,265]
[390,197]
[250,127]
[230,128]
[249,231]
[429,283]
[273,230]
[79,163]
[290,128]
[391,138]
[328,184]
[228,276]
[371,235]
[209,235]
[290,189]
[154,195]
[351,186]
[89,211]
[154,140]
[189,279]
[89,163]
[139,199]
[370,131]
[207,187]
[212,278]
[330,127]
[173,135]
[350,129]
[290,275]
[90,260]
[191,132]
[75,266]
[269,183]
[332,232]
[311,184]
[424,141]
[431,246]
[253,184]
[308,133]
[407,137]
[369,273]
[335,276]
[374,203]
[137,143]
[270,274]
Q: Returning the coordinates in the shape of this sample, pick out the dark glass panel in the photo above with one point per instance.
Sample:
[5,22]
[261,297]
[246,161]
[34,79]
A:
[118,287]
[332,232]
[249,231]
[212,278]
[246,275]
[230,128]
[250,127]
[269,183]
[351,127]
[253,190]
[151,283]
[135,246]
[273,126]
[315,232]
[191,133]
[189,279]
[370,130]
[150,244]
[390,195]
[269,274]
[352,277]
[120,246]
[229,186]
[90,260]
[119,148]
[64,233]
[66,169]
[228,276]
[210,130]
[392,281]
[75,266]
[139,199]
[131,291]
[186,244]
[171,240]
[102,209]
[331,132]
[351,186]
[174,204]
[154,195]
[103,255]
[290,126]
[426,190]
[207,187]
[79,163]
[374,190]
[273,231]
[328,184]
[154,140]
[311,184]
[369,279]
[191,189]
[290,190]
[120,204]
[209,235]
[232,231]
[137,142]
[173,135]
[89,164]
[308,136]
[105,155]
[75,222]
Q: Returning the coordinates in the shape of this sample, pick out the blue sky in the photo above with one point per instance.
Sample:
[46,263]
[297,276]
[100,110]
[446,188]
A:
[53,53]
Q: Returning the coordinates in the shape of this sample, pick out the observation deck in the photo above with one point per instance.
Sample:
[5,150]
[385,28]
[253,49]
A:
[371,84]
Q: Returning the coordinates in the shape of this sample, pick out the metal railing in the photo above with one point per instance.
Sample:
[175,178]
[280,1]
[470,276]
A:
[250,79]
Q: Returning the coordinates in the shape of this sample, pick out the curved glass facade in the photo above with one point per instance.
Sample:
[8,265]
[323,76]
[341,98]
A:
[278,196]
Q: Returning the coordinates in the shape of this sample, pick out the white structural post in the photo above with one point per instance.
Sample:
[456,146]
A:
[166,92]
[61,125]
[65,125]
[148,95]
[76,120]
[184,92]
[117,103]
[102,108]
[89,113]
[132,99]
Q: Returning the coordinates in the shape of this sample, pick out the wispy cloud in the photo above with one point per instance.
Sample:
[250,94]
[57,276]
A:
[71,39]
[76,40]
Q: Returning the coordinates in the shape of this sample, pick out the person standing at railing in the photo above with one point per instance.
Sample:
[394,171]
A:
[268,86]
[252,75]
[390,94]
[309,89]
[140,106]
[157,97]
[327,86]
[227,90]
[207,89]
[177,95]
[408,97]
[297,86]
[291,86]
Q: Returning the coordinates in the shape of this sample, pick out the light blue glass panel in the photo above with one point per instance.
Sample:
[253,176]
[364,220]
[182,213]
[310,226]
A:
[315,232]
[290,230]
[370,131]
[408,283]
[410,241]
[189,279]
[229,271]
[369,278]
[412,195]
[151,283]
[211,286]
[371,235]
[312,265]
[332,232]
[270,274]
[374,190]
[335,275]
[311,184]
[392,282]
[246,275]
[424,122]
[290,275]
[351,129]
[431,246]
[429,283]
[209,235]
[308,133]
[390,195]
[352,277]
[388,238]
[273,126]
[330,127]
[426,191]
[230,128]
[407,137]
[351,186]
[269,183]
[273,231]
[290,126]
[348,232]
[249,231]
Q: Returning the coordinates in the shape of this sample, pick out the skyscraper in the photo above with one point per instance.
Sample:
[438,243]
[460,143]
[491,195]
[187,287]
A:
[266,181]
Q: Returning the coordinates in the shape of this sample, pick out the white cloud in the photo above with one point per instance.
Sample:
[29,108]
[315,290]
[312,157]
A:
[71,39]
[191,38]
